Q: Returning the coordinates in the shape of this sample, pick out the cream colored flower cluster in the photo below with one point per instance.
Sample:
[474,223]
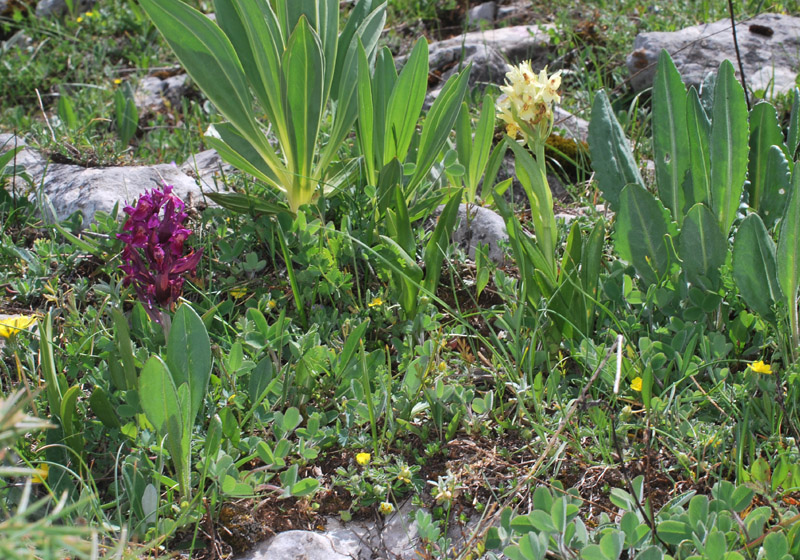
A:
[527,106]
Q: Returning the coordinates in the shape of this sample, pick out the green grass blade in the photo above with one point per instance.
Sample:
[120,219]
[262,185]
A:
[670,137]
[438,243]
[729,145]
[793,136]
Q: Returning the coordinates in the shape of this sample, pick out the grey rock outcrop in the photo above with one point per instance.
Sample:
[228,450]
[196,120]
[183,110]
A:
[47,8]
[485,13]
[73,188]
[156,94]
[484,226]
[302,545]
[489,51]
[769,45]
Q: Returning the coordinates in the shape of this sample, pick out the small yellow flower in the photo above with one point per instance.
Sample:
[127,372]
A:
[442,366]
[41,474]
[376,302]
[363,458]
[404,475]
[238,292]
[386,508]
[271,304]
[13,325]
[761,367]
[89,14]
[80,19]
[117,81]
[636,384]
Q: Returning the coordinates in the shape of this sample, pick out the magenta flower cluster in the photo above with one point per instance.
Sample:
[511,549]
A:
[154,260]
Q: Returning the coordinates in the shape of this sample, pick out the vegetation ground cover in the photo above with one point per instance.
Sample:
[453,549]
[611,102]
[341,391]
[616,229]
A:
[622,387]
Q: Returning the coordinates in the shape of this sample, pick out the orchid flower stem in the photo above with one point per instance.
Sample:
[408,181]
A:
[298,297]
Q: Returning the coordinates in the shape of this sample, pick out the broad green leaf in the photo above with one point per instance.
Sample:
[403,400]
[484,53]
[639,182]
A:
[788,253]
[383,84]
[612,159]
[777,186]
[304,487]
[670,137]
[252,27]
[162,402]
[483,141]
[533,180]
[702,247]
[239,152]
[303,96]
[755,267]
[67,413]
[775,545]
[122,338]
[765,132]
[346,41]
[698,510]
[674,532]
[641,228]
[210,59]
[699,134]
[101,406]
[729,145]
[189,356]
[650,553]
[716,547]
[405,104]
[346,106]
[245,203]
[611,544]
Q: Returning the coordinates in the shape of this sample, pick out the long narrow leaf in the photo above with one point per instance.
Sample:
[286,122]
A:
[641,228]
[405,104]
[702,247]
[438,125]
[699,133]
[765,132]
[670,137]
[612,159]
[304,101]
[788,254]
[729,135]
[755,267]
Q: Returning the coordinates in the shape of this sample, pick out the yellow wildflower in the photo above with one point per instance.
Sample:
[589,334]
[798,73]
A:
[527,104]
[40,474]
[636,384]
[13,325]
[376,302]
[80,19]
[271,304]
[117,81]
[386,508]
[238,292]
[761,367]
[404,475]
[363,458]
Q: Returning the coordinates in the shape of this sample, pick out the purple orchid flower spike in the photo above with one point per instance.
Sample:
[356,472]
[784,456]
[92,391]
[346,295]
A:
[154,236]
